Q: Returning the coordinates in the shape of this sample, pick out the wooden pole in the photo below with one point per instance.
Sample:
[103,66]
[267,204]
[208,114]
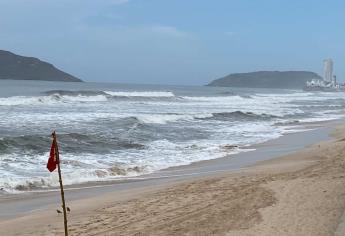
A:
[61,185]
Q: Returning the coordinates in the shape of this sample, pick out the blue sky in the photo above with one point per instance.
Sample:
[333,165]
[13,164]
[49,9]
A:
[175,41]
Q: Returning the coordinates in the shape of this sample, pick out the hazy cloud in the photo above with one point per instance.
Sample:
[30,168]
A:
[169,31]
[192,40]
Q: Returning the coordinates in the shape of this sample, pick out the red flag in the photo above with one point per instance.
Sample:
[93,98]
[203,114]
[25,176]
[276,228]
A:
[52,161]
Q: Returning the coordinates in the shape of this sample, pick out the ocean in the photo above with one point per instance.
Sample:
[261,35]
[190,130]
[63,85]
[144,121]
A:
[114,131]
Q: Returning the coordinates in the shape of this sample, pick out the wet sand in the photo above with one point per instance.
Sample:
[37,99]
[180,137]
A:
[302,193]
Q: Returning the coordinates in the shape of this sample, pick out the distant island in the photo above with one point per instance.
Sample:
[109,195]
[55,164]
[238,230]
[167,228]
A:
[267,79]
[15,67]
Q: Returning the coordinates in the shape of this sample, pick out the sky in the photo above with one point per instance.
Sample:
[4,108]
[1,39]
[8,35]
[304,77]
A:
[187,42]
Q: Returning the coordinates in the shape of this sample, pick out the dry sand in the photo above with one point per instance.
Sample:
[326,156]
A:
[299,194]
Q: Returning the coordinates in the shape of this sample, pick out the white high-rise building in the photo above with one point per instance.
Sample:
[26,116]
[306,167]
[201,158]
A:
[328,70]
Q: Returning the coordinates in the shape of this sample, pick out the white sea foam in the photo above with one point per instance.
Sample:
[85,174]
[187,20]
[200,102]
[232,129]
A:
[57,98]
[164,118]
[159,154]
[49,100]
[170,132]
[141,94]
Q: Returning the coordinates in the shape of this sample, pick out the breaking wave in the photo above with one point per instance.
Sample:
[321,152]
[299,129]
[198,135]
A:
[83,96]
[75,93]
[141,94]
[15,185]
[115,134]
[110,93]
[70,142]
[49,100]
[53,97]
[239,115]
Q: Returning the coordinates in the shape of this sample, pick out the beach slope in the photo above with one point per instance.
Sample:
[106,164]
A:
[298,194]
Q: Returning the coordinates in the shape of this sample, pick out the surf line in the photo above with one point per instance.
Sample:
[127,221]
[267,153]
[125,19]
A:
[132,180]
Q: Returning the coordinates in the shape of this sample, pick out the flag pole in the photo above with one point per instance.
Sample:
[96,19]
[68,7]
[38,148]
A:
[61,185]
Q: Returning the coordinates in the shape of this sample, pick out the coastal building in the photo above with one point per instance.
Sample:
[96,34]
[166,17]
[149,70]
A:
[328,70]
[329,82]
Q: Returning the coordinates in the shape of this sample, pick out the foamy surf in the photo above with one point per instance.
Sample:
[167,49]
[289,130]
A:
[141,94]
[109,133]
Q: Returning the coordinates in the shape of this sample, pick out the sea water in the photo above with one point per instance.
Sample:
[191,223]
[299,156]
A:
[112,131]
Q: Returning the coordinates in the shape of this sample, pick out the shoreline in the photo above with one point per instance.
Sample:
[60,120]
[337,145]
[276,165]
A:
[16,205]
[260,199]
[36,212]
[233,161]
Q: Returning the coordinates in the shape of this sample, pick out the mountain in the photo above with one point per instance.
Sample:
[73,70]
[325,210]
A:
[266,79]
[17,67]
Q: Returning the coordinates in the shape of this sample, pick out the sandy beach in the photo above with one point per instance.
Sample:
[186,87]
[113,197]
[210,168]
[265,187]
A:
[302,193]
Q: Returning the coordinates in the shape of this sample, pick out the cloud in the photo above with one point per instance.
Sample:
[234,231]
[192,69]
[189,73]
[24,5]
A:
[111,26]
[118,1]
[169,31]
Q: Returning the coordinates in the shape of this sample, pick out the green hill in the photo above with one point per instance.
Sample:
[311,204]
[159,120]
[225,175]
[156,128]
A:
[17,67]
[266,79]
